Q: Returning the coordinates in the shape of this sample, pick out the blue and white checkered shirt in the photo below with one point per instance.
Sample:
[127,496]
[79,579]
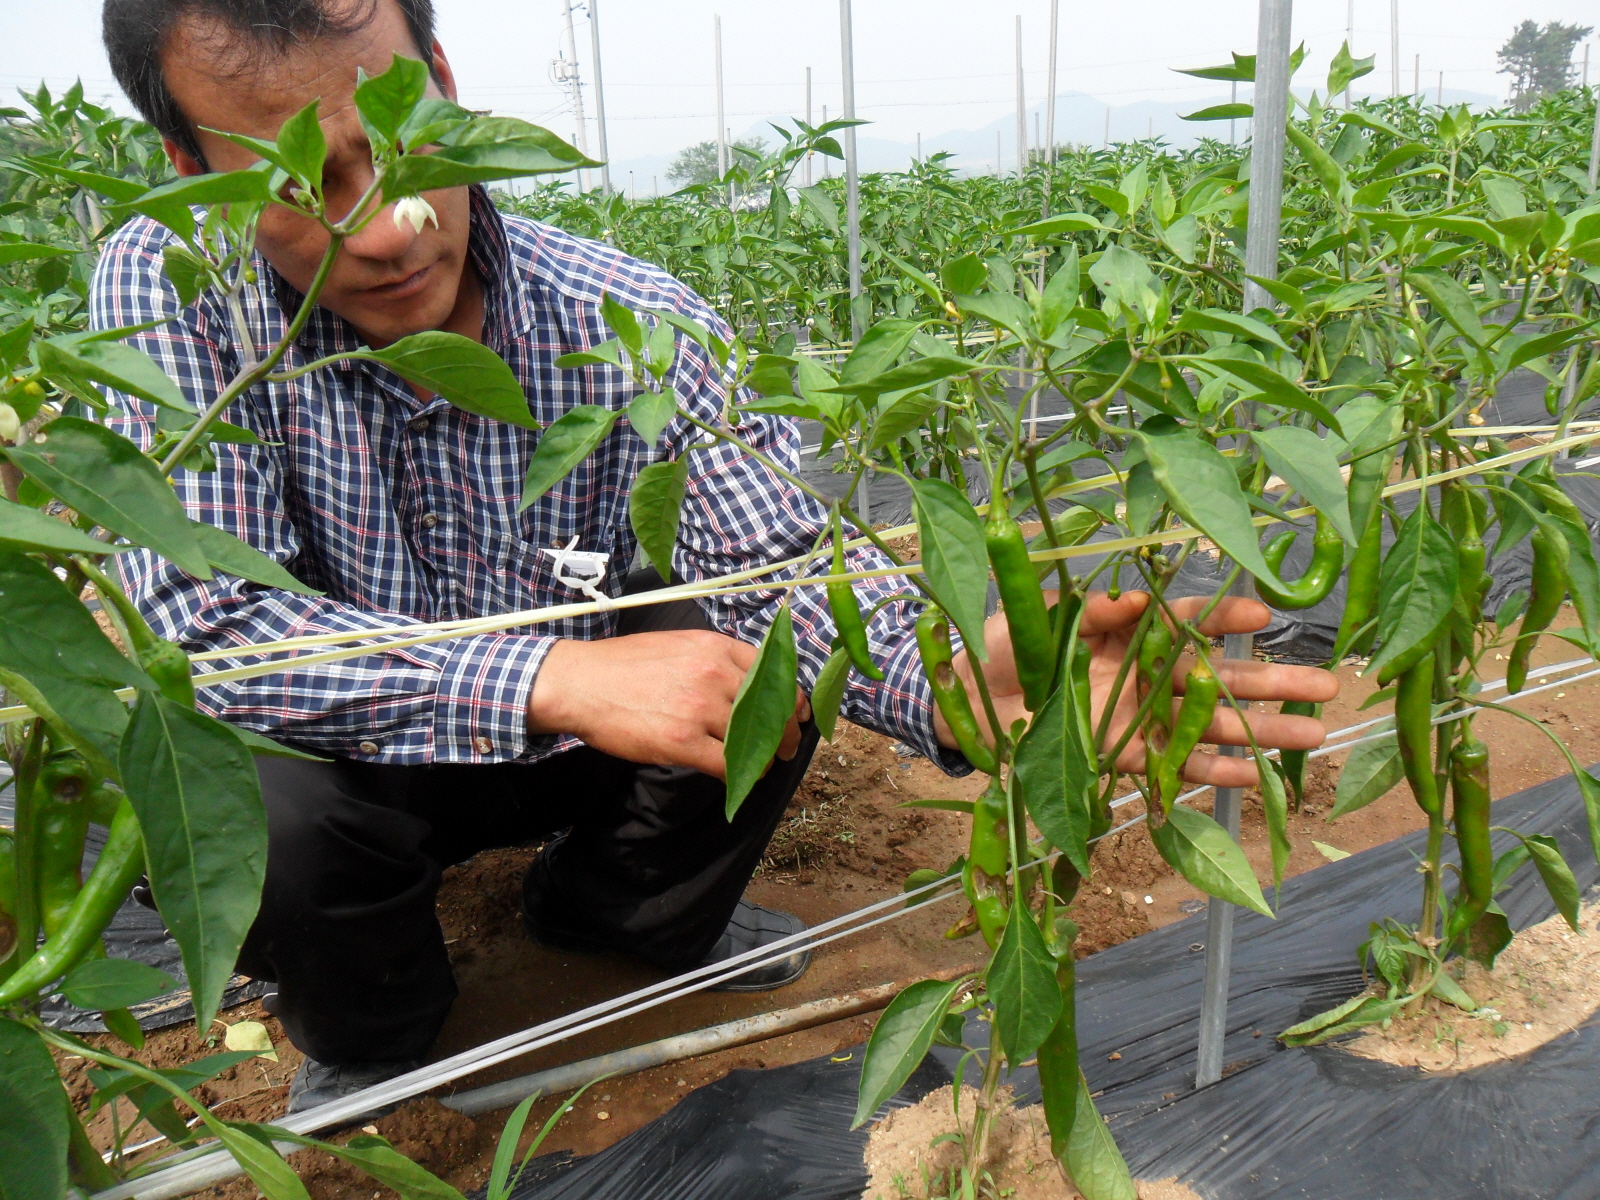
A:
[403,510]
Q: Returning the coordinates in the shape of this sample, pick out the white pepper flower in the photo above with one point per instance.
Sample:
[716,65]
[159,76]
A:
[10,427]
[415,210]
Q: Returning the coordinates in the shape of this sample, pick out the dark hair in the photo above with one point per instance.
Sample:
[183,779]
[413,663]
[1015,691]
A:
[136,33]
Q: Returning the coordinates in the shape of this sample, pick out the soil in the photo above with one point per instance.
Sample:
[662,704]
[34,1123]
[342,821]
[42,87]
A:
[904,1163]
[1546,983]
[845,842]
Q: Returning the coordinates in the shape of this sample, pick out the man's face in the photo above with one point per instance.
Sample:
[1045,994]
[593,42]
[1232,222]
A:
[388,281]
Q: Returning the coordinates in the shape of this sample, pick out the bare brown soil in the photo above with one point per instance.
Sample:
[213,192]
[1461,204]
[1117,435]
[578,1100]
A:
[904,1163]
[1545,984]
[846,843]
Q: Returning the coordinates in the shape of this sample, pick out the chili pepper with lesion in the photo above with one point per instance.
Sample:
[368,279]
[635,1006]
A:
[1469,790]
[1549,588]
[846,611]
[949,693]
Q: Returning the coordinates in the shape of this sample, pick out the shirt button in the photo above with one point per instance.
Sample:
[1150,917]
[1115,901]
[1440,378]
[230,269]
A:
[368,747]
[418,424]
[429,520]
[483,745]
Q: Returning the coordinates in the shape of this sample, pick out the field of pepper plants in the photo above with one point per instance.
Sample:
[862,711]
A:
[1427,254]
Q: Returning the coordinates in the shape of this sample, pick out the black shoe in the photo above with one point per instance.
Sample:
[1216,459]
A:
[315,1083]
[751,927]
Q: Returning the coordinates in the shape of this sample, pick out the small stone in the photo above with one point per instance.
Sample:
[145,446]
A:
[370,1130]
[1114,1056]
[602,1116]
[683,1083]
[605,1098]
[1149,899]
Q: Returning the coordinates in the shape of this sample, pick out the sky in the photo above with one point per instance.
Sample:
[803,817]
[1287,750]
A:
[938,68]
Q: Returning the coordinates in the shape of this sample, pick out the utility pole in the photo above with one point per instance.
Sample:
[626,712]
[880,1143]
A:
[1106,142]
[1022,108]
[827,163]
[1594,145]
[564,73]
[722,140]
[1050,112]
[1349,39]
[1441,89]
[997,153]
[1271,103]
[808,121]
[1586,64]
[1416,76]
[1394,47]
[919,148]
[852,175]
[599,98]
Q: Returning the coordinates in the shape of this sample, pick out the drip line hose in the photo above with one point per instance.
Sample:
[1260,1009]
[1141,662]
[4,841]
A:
[199,1168]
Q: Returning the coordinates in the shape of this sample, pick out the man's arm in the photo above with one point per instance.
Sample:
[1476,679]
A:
[458,701]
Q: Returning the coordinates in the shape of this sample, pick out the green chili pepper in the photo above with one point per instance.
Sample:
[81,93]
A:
[1469,787]
[1327,560]
[1155,656]
[1293,762]
[8,894]
[120,864]
[1200,688]
[1413,721]
[1058,1055]
[991,825]
[846,612]
[949,693]
[1361,591]
[167,664]
[1550,555]
[63,819]
[988,902]
[1033,646]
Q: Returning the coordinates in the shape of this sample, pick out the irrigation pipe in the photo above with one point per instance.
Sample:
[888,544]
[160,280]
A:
[196,1169]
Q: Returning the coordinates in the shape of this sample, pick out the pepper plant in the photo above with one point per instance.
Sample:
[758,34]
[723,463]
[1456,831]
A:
[103,727]
[1349,411]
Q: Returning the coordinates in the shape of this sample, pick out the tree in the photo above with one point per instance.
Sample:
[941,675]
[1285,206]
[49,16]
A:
[698,163]
[1538,60]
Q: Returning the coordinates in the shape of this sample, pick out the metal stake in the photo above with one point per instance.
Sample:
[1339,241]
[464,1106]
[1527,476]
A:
[1022,109]
[808,121]
[1271,103]
[599,98]
[1394,47]
[722,140]
[852,176]
[1594,144]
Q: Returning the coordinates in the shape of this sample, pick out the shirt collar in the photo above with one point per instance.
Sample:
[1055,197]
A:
[507,305]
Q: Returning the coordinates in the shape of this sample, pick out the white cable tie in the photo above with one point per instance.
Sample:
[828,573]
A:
[581,570]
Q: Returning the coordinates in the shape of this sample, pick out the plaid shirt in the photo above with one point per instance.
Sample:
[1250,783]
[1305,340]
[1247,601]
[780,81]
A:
[404,510]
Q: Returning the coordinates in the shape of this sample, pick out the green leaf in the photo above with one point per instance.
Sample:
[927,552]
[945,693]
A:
[1355,1013]
[653,510]
[762,709]
[964,275]
[899,1042]
[1489,935]
[14,343]
[1590,787]
[1092,1159]
[904,416]
[1447,989]
[1327,169]
[917,373]
[467,373]
[193,784]
[650,412]
[568,441]
[33,1118]
[1557,876]
[622,322]
[1203,489]
[386,101]
[1056,775]
[484,151]
[1450,301]
[607,354]
[51,641]
[1183,238]
[236,557]
[1072,222]
[102,475]
[21,526]
[15,252]
[77,367]
[1309,465]
[171,203]
[1371,771]
[1022,986]
[1219,320]
[1222,112]
[1416,588]
[380,1160]
[1002,310]
[102,983]
[1202,852]
[828,695]
[253,1151]
[1344,69]
[1275,804]
[302,149]
[1060,296]
[259,745]
[954,557]
[1239,362]
[878,349]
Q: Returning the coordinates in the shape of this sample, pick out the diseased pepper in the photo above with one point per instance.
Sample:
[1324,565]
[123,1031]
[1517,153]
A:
[62,813]
[1469,788]
[1200,688]
[949,693]
[846,612]
[1327,559]
[1033,647]
[987,897]
[1550,556]
[991,827]
[120,863]
[1413,722]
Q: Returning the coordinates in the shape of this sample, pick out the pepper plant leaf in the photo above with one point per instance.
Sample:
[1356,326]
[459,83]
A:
[230,554]
[1056,776]
[653,510]
[101,983]
[569,440]
[22,527]
[1202,852]
[1416,588]
[1022,986]
[33,1118]
[828,694]
[761,710]
[954,556]
[1308,464]
[1371,771]
[1093,1161]
[467,373]
[899,1042]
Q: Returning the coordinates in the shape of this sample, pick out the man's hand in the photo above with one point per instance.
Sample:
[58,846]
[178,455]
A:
[1108,627]
[661,698]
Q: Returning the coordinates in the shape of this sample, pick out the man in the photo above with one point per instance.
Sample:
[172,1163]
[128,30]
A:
[603,735]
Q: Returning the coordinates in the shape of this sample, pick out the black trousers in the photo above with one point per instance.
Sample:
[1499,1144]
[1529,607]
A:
[643,860]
